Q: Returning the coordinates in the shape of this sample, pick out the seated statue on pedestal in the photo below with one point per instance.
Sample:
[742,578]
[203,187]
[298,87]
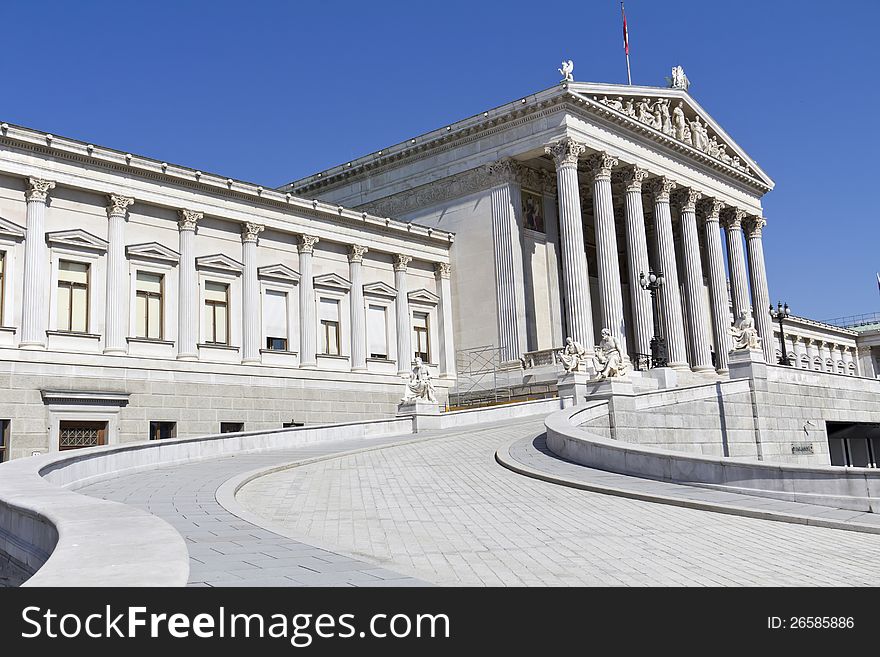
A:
[745,336]
[573,356]
[609,357]
[420,386]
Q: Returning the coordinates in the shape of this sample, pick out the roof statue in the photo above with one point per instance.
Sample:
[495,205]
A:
[679,80]
[565,71]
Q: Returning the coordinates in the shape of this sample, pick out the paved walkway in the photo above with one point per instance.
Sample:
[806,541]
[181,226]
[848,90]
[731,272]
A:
[445,511]
[227,551]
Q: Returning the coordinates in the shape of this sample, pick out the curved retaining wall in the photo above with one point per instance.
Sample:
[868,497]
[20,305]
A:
[68,539]
[569,436]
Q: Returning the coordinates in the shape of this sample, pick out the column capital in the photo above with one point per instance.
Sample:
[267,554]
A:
[687,198]
[600,165]
[754,226]
[307,243]
[633,177]
[188,219]
[442,269]
[660,188]
[710,208]
[356,253]
[118,205]
[38,189]
[565,152]
[502,171]
[733,218]
[401,261]
[251,231]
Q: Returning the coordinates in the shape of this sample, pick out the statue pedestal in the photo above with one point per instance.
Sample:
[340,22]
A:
[666,377]
[609,388]
[426,414]
[572,387]
[747,363]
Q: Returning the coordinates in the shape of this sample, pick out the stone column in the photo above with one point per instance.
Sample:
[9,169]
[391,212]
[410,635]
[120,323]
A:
[813,351]
[401,310]
[188,310]
[356,302]
[825,355]
[447,342]
[35,300]
[865,363]
[252,313]
[508,261]
[760,292]
[637,260]
[697,313]
[308,330]
[711,210]
[607,256]
[847,358]
[670,296]
[739,285]
[576,282]
[800,350]
[115,306]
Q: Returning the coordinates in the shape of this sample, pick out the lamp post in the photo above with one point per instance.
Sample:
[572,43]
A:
[653,282]
[779,313]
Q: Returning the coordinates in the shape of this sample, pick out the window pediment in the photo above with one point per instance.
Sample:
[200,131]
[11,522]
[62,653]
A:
[379,289]
[152,251]
[423,296]
[219,262]
[9,229]
[278,272]
[77,239]
[332,281]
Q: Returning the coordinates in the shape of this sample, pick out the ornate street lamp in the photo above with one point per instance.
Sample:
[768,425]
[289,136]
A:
[653,282]
[779,313]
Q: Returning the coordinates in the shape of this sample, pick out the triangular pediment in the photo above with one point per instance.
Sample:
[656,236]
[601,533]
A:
[152,251]
[77,238]
[423,296]
[278,272]
[332,280]
[379,289]
[670,115]
[9,229]
[219,262]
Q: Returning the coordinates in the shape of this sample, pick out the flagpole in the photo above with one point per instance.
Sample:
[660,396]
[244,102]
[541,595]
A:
[626,44]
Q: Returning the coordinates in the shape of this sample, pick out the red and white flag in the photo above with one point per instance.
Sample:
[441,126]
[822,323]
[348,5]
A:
[625,33]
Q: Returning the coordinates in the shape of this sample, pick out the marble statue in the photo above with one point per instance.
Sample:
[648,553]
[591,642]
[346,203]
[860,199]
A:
[420,386]
[667,126]
[745,336]
[679,79]
[609,357]
[565,71]
[699,135]
[573,355]
[679,122]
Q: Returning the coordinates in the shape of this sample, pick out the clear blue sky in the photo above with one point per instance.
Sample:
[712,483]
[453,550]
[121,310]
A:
[271,91]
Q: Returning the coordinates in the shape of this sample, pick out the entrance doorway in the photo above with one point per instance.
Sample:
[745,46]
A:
[78,435]
[854,444]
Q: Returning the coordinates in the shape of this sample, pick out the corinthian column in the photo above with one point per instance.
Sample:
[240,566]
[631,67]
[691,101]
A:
[739,285]
[356,302]
[637,259]
[575,275]
[401,310]
[35,300]
[711,209]
[116,308]
[188,296]
[697,315]
[250,302]
[760,291]
[670,296]
[308,330]
[608,259]
[447,343]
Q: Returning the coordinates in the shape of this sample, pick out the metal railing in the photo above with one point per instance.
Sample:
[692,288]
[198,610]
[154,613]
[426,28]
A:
[854,320]
[541,358]
[477,377]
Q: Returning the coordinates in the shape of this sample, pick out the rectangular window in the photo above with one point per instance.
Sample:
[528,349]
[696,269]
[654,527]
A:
[149,305]
[329,315]
[421,340]
[231,427]
[4,440]
[77,435]
[163,430]
[73,296]
[377,331]
[216,313]
[275,319]
[2,282]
